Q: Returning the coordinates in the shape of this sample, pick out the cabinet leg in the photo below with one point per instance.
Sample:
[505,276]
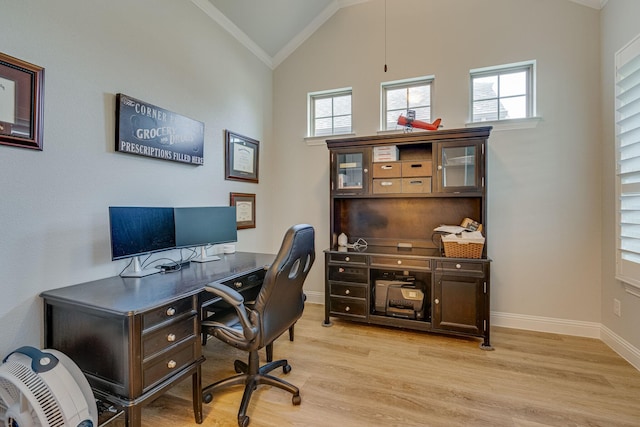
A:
[196,385]
[133,416]
[327,323]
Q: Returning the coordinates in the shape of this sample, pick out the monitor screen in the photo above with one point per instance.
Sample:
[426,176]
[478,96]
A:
[200,226]
[140,230]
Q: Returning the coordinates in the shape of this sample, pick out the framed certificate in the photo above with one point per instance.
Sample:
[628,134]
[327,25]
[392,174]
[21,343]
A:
[21,103]
[245,209]
[242,154]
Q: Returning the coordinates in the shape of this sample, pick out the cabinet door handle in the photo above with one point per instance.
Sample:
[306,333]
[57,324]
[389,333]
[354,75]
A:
[439,167]
[171,364]
[436,301]
[171,311]
[171,337]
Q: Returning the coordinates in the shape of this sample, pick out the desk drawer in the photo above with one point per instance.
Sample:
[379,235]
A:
[399,262]
[169,312]
[347,273]
[352,307]
[348,258]
[470,268]
[168,336]
[168,364]
[345,290]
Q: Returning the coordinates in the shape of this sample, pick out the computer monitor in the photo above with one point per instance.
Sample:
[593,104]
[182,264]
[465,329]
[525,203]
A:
[139,231]
[203,226]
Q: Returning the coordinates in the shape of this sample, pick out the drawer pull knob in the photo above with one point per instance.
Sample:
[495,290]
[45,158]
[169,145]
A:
[171,337]
[437,301]
[458,266]
[237,284]
[347,259]
[171,364]
[171,311]
[347,308]
[347,292]
[341,270]
[399,261]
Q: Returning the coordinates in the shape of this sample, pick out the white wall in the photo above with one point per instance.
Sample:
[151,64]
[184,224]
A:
[544,183]
[619,22]
[53,215]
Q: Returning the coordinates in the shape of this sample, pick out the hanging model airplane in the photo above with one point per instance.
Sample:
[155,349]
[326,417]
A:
[410,123]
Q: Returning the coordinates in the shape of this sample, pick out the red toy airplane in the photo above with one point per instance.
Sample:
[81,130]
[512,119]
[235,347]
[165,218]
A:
[412,123]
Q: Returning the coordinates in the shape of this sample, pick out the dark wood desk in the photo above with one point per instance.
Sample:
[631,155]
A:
[134,338]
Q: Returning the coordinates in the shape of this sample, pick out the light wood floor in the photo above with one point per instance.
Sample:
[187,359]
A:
[357,375]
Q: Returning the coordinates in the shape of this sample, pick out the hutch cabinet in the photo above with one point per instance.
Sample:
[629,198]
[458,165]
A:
[387,194]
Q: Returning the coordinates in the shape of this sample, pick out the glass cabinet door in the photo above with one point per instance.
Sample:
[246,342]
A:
[351,172]
[458,168]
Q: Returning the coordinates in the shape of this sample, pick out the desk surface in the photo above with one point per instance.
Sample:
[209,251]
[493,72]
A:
[129,296]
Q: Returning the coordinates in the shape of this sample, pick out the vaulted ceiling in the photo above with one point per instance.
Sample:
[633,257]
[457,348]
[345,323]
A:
[273,29]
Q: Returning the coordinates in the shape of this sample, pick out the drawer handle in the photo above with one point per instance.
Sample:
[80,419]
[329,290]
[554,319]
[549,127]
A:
[416,182]
[171,364]
[171,337]
[347,308]
[347,292]
[399,261]
[237,284]
[171,311]
[347,259]
[386,167]
[437,301]
[341,270]
[416,165]
[386,183]
[458,266]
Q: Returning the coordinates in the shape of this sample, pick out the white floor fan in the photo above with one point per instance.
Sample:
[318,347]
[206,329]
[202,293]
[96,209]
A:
[44,388]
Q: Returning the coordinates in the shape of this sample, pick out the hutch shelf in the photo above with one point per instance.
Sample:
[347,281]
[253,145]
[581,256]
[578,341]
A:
[391,191]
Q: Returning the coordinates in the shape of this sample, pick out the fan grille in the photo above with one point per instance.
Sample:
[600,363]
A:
[39,389]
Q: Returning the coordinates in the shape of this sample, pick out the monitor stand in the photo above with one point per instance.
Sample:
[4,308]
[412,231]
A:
[203,256]
[138,271]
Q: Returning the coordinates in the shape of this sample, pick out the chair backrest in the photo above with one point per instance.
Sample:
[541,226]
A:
[280,301]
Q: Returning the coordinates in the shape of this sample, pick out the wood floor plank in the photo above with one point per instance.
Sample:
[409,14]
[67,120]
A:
[355,375]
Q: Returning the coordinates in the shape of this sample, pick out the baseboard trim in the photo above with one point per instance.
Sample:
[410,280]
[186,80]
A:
[546,324]
[570,327]
[315,297]
[628,352]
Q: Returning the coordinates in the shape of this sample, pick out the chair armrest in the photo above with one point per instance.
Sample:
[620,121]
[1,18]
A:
[228,294]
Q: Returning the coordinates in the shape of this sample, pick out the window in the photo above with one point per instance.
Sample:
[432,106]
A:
[403,95]
[330,112]
[503,93]
[628,163]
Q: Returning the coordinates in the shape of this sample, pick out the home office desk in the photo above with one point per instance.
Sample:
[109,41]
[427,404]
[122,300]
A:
[134,338]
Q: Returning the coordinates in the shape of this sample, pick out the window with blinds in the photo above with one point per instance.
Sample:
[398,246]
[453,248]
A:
[330,112]
[628,162]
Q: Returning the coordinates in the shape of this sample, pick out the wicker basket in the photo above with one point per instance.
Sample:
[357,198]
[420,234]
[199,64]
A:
[463,249]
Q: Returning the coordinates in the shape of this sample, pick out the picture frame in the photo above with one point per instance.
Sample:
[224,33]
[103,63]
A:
[242,155]
[245,204]
[21,103]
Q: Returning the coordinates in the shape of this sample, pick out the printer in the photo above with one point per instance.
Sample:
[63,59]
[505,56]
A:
[398,298]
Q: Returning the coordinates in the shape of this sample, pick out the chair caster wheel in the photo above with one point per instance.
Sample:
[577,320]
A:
[286,368]
[207,398]
[296,400]
[243,421]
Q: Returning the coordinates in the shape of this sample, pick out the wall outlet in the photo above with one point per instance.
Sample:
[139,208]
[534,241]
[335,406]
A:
[616,307]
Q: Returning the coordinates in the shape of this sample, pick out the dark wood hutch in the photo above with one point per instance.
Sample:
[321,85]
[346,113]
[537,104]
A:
[391,191]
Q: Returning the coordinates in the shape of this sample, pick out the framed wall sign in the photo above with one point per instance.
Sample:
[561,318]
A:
[245,209]
[21,103]
[147,130]
[242,156]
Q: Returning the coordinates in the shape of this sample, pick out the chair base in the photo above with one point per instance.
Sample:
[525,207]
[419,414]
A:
[252,375]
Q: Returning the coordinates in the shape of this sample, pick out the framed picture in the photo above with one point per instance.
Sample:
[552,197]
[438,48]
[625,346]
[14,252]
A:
[242,156]
[245,209]
[21,103]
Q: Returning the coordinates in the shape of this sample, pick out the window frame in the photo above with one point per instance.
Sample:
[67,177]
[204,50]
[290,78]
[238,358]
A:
[404,84]
[627,137]
[528,66]
[311,104]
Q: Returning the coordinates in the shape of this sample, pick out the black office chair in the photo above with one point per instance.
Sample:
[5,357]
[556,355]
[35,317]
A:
[277,307]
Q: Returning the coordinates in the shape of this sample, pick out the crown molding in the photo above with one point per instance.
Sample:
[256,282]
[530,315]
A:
[596,4]
[236,32]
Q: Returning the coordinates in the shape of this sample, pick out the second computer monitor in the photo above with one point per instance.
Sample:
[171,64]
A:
[203,226]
